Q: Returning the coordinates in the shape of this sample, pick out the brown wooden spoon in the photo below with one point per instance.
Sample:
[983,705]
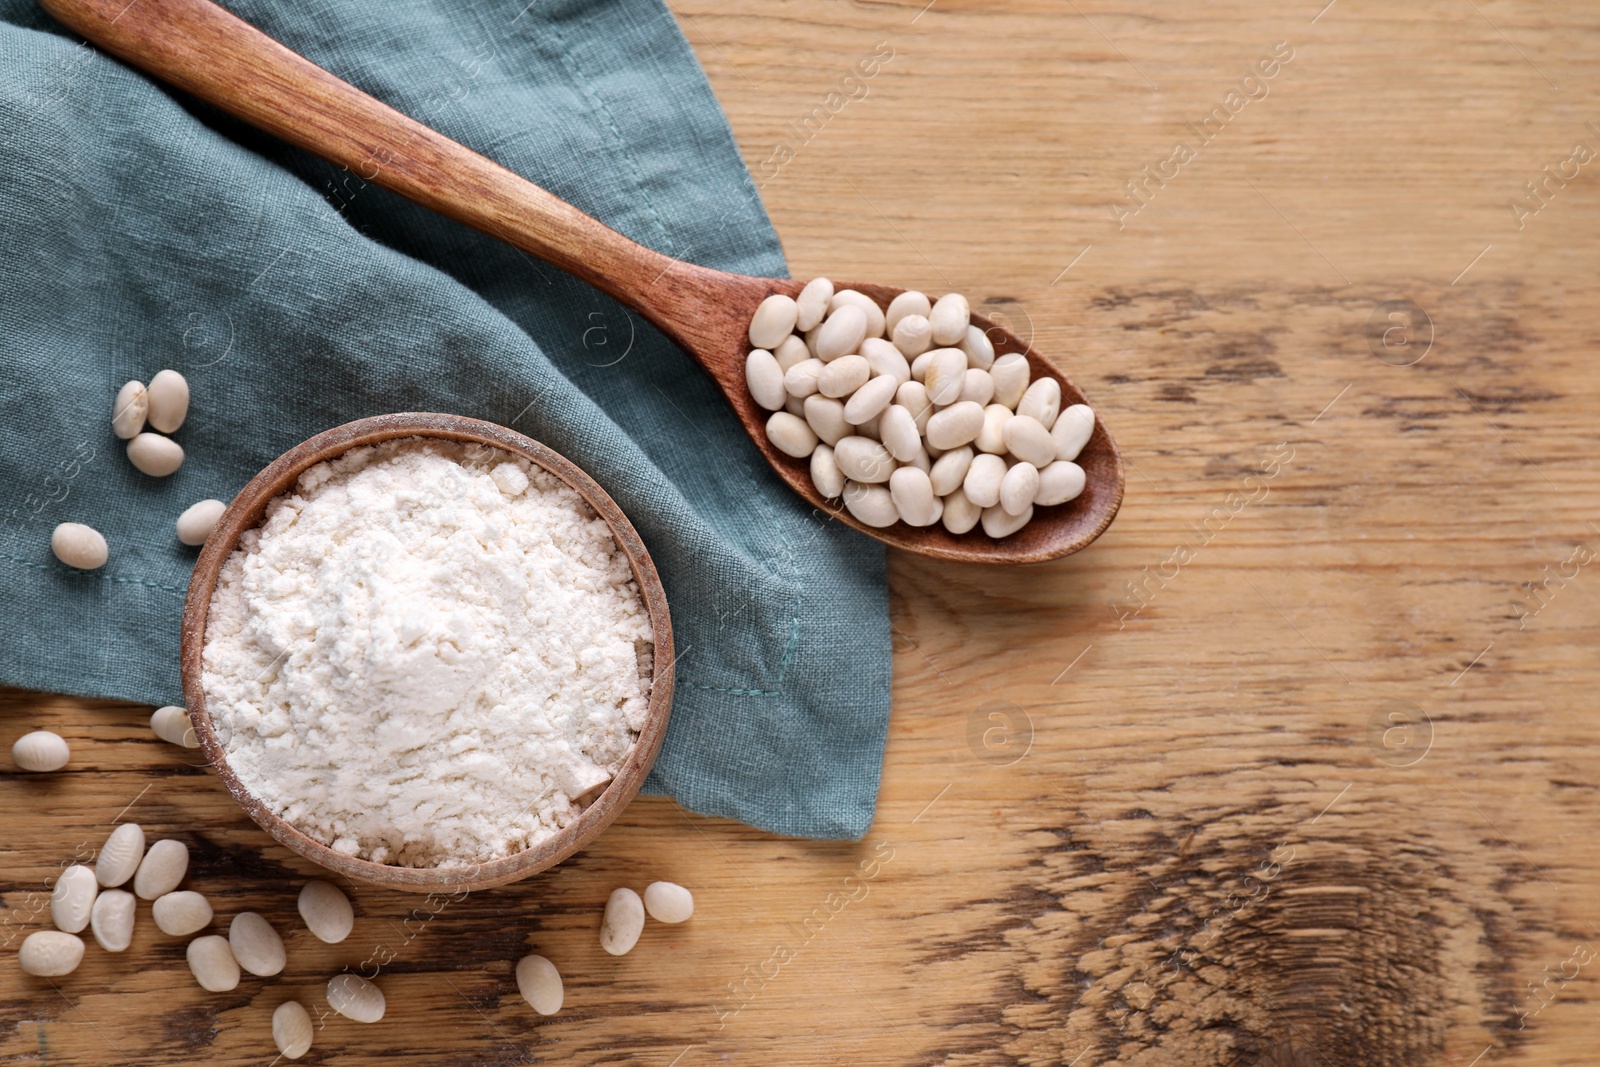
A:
[202,49]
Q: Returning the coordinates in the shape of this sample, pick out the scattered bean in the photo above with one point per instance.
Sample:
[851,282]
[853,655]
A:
[863,460]
[50,953]
[871,504]
[255,944]
[113,919]
[355,998]
[668,902]
[840,334]
[162,869]
[869,307]
[40,750]
[291,1029]
[1027,440]
[909,302]
[540,984]
[774,320]
[180,913]
[949,318]
[79,546]
[811,306]
[120,855]
[623,922]
[172,725]
[155,455]
[1041,401]
[870,399]
[1072,431]
[825,473]
[326,911]
[765,378]
[1059,482]
[791,435]
[72,899]
[199,519]
[1018,488]
[169,401]
[913,497]
[212,963]
[998,522]
[129,410]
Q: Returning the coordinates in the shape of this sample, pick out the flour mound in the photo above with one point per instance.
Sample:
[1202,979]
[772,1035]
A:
[427,653]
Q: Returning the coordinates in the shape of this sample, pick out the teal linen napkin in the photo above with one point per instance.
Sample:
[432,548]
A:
[141,230]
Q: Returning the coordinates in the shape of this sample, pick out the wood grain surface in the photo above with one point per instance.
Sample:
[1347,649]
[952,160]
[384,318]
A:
[1297,765]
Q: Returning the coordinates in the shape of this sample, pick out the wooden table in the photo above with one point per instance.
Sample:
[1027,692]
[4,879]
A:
[1297,765]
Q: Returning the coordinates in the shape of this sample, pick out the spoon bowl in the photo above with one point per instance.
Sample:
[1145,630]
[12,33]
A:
[202,49]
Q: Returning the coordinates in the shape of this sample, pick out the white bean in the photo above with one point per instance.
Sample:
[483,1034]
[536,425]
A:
[795,406]
[326,911]
[155,455]
[623,922]
[826,419]
[950,317]
[960,514]
[1010,373]
[913,497]
[998,522]
[764,378]
[871,504]
[172,725]
[922,460]
[120,855]
[885,359]
[840,334]
[812,303]
[913,396]
[869,400]
[1059,482]
[1018,487]
[790,350]
[200,518]
[869,307]
[1072,431]
[1027,440]
[992,437]
[844,376]
[863,460]
[982,483]
[951,470]
[1041,401]
[979,350]
[668,902]
[255,944]
[913,336]
[79,546]
[773,321]
[791,435]
[977,387]
[870,428]
[955,425]
[162,868]
[909,302]
[919,366]
[291,1029]
[540,984]
[180,913]
[129,410]
[113,919]
[899,433]
[947,373]
[168,401]
[825,473]
[40,750]
[50,953]
[72,899]
[800,380]
[355,998]
[212,964]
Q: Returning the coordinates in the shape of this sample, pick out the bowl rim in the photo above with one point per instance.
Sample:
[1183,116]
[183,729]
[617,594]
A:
[245,512]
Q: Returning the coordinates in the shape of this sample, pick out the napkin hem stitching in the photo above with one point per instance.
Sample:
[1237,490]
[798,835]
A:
[783,669]
[101,577]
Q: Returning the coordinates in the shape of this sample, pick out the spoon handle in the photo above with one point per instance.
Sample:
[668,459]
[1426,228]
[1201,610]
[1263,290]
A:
[211,54]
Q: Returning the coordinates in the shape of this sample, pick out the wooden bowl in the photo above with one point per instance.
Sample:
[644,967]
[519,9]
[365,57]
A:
[246,511]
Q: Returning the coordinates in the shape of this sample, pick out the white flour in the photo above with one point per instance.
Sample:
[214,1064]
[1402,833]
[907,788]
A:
[426,653]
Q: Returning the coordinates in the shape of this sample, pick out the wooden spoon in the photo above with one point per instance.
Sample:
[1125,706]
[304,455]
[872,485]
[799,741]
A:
[202,49]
